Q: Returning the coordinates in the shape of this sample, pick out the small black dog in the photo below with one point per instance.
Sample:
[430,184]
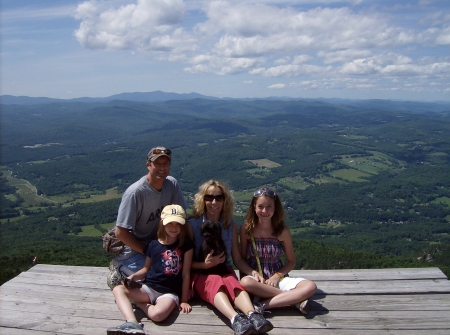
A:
[212,233]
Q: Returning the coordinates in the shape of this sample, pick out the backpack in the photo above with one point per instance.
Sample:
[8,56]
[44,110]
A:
[111,243]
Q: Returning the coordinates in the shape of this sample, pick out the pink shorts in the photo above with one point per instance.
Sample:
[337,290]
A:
[206,286]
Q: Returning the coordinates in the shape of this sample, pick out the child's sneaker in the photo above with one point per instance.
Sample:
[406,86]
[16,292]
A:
[126,328]
[261,324]
[303,306]
[242,326]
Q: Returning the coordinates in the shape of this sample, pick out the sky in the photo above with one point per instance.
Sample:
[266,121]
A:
[353,49]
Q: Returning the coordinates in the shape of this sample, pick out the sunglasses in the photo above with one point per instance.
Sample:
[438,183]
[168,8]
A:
[269,193]
[162,151]
[210,197]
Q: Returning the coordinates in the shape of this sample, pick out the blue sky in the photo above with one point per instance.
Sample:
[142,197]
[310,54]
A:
[358,49]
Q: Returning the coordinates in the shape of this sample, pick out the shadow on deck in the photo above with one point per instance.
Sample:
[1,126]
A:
[57,299]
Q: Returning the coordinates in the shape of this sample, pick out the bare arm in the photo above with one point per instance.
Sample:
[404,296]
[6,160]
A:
[129,239]
[286,238]
[140,274]
[184,305]
[238,261]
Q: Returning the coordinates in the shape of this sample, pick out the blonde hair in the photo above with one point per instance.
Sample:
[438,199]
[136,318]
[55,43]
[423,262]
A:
[162,235]
[251,219]
[228,204]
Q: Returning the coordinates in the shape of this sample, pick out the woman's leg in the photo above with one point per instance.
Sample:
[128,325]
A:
[160,310]
[258,289]
[243,302]
[301,292]
[223,304]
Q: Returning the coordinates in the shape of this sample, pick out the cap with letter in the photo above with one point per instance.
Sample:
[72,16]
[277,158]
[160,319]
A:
[173,213]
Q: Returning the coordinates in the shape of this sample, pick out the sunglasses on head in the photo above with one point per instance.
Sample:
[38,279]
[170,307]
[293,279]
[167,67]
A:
[269,193]
[161,151]
[210,197]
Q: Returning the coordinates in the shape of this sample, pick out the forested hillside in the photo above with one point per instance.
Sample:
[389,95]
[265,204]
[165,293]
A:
[365,183]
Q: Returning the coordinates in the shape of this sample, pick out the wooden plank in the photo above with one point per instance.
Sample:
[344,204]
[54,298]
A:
[382,302]
[340,274]
[371,274]
[383,287]
[64,280]
[325,287]
[406,320]
[276,331]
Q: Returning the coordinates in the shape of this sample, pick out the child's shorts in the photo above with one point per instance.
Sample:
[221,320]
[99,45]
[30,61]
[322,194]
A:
[287,283]
[155,295]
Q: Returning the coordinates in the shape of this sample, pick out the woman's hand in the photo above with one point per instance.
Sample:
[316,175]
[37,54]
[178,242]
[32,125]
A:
[211,261]
[273,281]
[185,307]
[258,277]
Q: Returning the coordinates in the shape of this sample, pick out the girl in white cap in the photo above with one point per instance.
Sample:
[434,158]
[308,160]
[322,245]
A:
[165,275]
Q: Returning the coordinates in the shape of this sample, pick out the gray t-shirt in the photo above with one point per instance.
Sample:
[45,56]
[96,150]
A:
[141,206]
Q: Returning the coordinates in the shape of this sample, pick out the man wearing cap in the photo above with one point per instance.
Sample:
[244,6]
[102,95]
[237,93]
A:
[140,212]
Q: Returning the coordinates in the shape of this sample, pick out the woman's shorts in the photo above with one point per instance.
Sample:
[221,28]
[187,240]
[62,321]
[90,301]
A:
[287,283]
[155,295]
[206,286]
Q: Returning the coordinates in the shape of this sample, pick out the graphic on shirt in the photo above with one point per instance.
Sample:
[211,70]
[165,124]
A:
[171,262]
[155,216]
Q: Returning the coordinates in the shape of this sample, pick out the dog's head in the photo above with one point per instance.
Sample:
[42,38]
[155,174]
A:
[211,230]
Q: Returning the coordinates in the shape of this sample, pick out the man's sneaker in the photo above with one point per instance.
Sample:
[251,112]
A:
[261,324]
[115,277]
[114,264]
[303,306]
[126,328]
[242,326]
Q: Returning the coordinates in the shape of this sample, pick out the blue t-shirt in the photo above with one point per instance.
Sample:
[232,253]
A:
[165,274]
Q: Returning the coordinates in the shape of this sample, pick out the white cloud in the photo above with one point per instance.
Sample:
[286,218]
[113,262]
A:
[143,26]
[277,86]
[212,64]
[290,70]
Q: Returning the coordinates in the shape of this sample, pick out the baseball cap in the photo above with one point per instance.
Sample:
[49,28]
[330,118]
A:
[157,152]
[172,213]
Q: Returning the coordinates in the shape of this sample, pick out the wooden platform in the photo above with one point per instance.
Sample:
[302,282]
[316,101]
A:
[55,299]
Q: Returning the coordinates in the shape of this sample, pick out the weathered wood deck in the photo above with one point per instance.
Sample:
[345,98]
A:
[54,299]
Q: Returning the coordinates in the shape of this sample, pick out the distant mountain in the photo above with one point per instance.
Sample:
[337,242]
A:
[156,96]
[162,97]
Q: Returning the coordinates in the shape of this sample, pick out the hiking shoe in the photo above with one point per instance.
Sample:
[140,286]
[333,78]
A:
[114,264]
[242,325]
[260,308]
[114,278]
[260,323]
[126,328]
[303,306]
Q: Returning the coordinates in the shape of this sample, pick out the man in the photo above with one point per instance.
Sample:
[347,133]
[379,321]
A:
[140,212]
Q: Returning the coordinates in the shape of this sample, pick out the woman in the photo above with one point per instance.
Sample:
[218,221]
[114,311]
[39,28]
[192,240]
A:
[214,202]
[265,230]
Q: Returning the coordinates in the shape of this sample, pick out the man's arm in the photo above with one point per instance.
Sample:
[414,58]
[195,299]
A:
[129,239]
